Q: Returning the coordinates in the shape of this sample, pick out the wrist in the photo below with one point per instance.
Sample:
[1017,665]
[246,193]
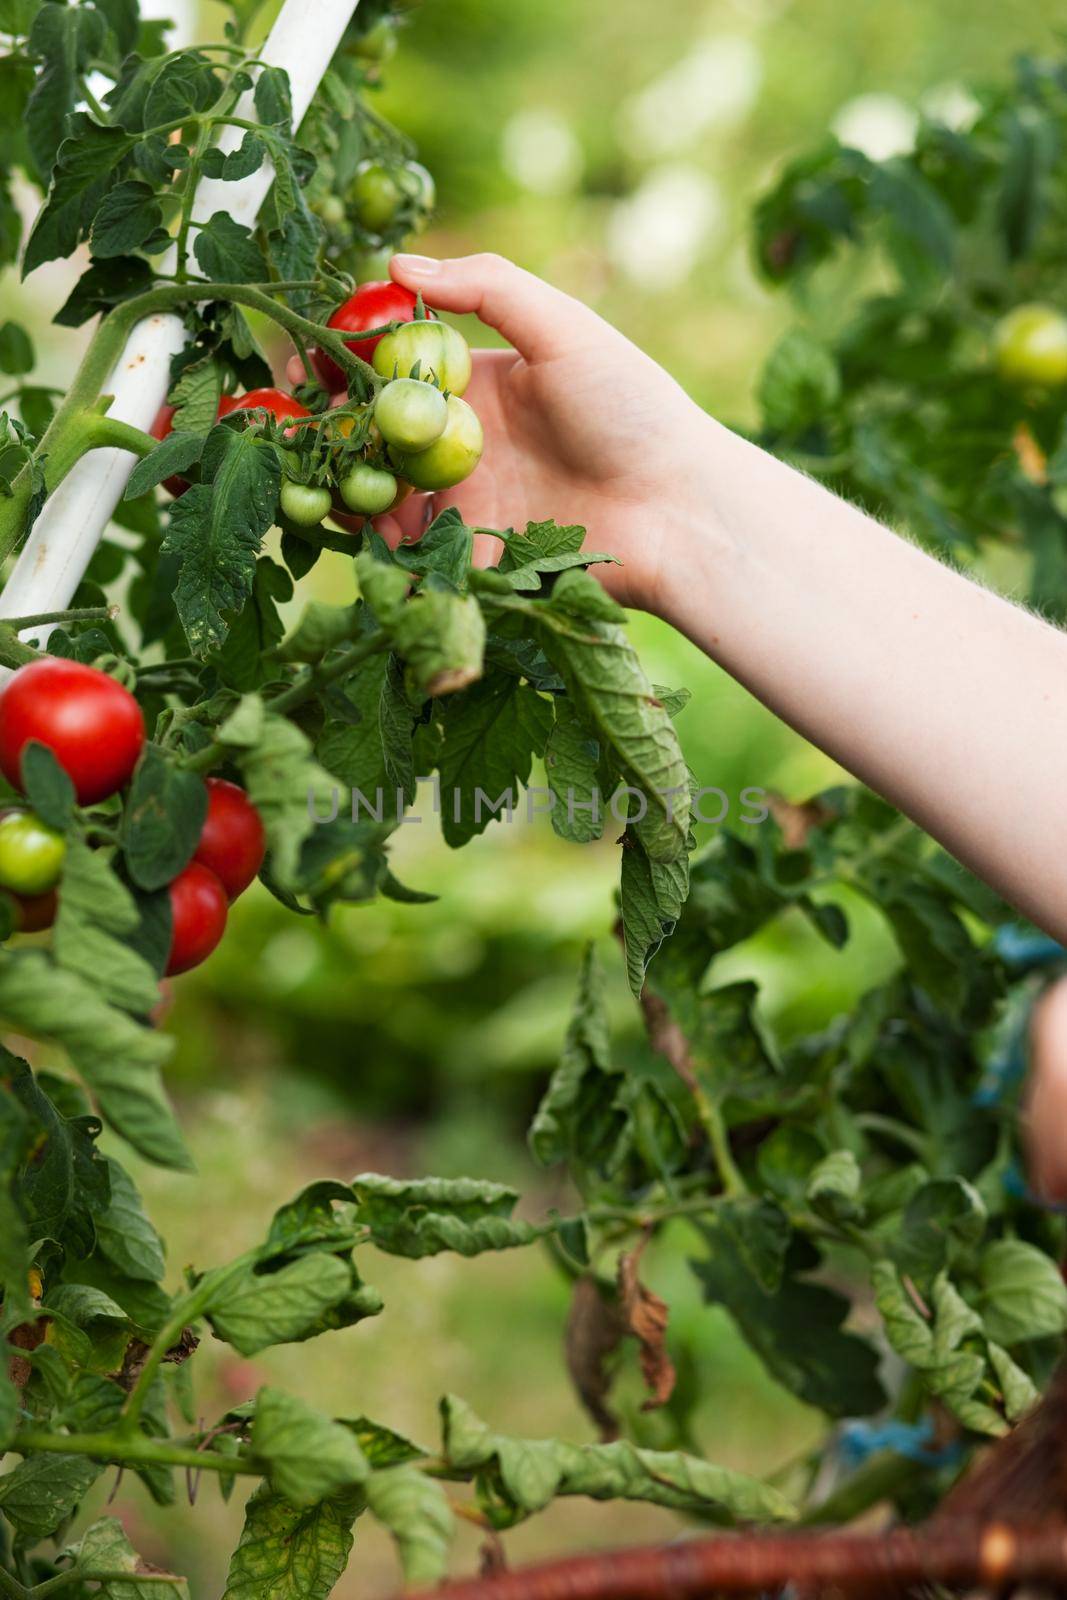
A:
[694,543]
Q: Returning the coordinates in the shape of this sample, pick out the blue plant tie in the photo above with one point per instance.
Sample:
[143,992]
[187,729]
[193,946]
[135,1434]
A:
[1022,946]
[858,1441]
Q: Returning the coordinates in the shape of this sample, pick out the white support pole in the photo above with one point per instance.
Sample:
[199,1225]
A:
[53,560]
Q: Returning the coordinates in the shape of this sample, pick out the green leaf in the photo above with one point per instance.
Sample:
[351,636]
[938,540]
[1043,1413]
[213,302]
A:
[47,787]
[61,38]
[308,1457]
[541,541]
[126,218]
[800,383]
[84,167]
[572,765]
[422,1217]
[942,1220]
[1023,1295]
[833,1187]
[105,1550]
[95,912]
[280,775]
[186,83]
[61,1191]
[216,530]
[492,732]
[195,397]
[163,819]
[581,1117]
[226,252]
[173,456]
[118,1058]
[240,163]
[651,897]
[286,1553]
[582,636]
[256,1309]
[246,659]
[16,350]
[125,1235]
[43,1491]
[527,1474]
[796,1331]
[417,1513]
[440,637]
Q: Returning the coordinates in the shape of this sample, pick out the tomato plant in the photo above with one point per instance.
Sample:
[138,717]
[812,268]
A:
[867,1159]
[410,415]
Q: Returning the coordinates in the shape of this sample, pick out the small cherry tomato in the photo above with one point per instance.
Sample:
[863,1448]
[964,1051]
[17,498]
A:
[31,854]
[452,457]
[368,490]
[384,194]
[440,352]
[304,503]
[34,913]
[410,414]
[198,917]
[378,43]
[1030,346]
[232,841]
[371,306]
[91,724]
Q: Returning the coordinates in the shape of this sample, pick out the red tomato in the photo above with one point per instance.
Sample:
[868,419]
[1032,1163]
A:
[232,842]
[92,725]
[276,401]
[198,917]
[35,912]
[163,425]
[372,305]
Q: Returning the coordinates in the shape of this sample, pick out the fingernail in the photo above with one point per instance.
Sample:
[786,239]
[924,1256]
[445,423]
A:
[417,266]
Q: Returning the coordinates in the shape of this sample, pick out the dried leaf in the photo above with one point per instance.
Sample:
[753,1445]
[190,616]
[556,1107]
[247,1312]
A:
[645,1316]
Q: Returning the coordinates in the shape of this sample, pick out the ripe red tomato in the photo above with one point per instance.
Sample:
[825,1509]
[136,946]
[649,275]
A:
[92,725]
[232,841]
[276,401]
[198,917]
[372,305]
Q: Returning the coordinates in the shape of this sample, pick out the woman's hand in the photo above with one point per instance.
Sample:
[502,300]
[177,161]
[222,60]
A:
[580,425]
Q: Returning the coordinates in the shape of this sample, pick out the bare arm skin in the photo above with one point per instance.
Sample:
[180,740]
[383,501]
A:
[946,698]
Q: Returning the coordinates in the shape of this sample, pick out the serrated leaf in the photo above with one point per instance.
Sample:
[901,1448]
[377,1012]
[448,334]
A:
[84,167]
[43,1491]
[284,782]
[528,1473]
[118,1058]
[95,912]
[126,218]
[417,1513]
[308,1457]
[163,819]
[47,787]
[226,251]
[572,765]
[16,350]
[230,165]
[492,733]
[105,1550]
[125,1235]
[216,530]
[581,1117]
[290,1554]
[175,455]
[1023,1295]
[256,1310]
[422,1217]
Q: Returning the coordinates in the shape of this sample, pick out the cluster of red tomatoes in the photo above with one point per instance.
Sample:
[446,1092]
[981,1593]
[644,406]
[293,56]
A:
[94,728]
[423,434]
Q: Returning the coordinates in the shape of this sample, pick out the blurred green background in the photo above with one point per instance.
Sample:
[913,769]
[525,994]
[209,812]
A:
[616,148]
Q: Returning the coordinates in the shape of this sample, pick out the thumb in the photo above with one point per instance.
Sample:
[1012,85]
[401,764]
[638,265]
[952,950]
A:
[540,321]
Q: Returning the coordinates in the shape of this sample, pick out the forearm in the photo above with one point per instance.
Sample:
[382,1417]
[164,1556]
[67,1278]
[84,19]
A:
[944,697]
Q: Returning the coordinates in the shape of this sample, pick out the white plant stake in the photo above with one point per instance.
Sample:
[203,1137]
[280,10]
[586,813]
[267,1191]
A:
[53,560]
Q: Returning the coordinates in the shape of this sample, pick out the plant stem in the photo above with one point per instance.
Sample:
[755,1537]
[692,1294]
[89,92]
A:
[185,1310]
[77,614]
[134,1449]
[309,683]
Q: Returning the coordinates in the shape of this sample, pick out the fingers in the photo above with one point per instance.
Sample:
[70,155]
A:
[1046,1116]
[294,371]
[541,322]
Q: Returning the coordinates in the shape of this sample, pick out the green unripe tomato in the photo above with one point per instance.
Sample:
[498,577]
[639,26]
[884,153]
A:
[378,43]
[452,457]
[440,352]
[368,490]
[331,208]
[410,415]
[31,854]
[384,193]
[304,503]
[1030,345]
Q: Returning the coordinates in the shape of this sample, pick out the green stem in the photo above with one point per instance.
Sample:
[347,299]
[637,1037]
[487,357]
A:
[882,1477]
[109,432]
[133,1449]
[308,684]
[718,1138]
[186,1309]
[77,614]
